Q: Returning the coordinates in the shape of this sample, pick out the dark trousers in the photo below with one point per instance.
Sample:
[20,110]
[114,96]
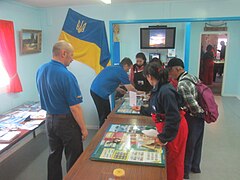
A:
[63,134]
[103,107]
[194,143]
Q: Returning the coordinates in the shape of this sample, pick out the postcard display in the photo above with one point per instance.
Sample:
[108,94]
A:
[27,116]
[125,107]
[125,143]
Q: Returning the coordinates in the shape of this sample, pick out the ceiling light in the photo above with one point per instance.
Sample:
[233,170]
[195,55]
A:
[106,1]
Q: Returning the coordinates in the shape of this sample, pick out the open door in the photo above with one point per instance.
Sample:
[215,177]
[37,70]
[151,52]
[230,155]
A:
[212,60]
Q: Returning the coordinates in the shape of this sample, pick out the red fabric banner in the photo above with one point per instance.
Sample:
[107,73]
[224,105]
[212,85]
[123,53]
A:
[8,54]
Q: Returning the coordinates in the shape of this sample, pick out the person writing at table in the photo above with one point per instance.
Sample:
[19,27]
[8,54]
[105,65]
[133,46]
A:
[60,96]
[165,104]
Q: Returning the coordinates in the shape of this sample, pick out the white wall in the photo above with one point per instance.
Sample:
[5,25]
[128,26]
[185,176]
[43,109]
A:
[51,21]
[232,83]
[24,17]
[195,44]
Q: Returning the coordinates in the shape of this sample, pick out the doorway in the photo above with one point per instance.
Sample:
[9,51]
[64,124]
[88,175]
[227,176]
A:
[212,60]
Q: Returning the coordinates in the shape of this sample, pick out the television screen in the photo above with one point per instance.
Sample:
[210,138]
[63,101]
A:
[157,38]
[154,55]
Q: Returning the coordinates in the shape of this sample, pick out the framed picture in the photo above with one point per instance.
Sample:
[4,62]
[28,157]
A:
[30,41]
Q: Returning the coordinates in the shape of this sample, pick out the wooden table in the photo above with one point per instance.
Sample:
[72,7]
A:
[218,68]
[84,168]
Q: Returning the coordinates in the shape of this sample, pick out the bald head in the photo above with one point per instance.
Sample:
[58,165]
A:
[61,45]
[63,52]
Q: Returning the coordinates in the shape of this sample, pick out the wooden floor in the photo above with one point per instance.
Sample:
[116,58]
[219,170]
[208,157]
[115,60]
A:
[220,158]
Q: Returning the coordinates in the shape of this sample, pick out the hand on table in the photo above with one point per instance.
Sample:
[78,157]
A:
[136,108]
[157,141]
[140,92]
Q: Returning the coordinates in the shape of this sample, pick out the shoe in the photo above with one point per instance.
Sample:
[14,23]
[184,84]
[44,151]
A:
[186,176]
[196,170]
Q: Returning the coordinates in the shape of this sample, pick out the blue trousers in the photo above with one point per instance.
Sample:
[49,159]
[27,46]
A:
[63,133]
[194,143]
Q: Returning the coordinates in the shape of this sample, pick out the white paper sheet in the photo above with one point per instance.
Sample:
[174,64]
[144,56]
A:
[150,132]
[9,136]
[2,146]
[133,98]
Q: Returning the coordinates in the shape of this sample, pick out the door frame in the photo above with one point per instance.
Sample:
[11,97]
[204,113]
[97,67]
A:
[226,54]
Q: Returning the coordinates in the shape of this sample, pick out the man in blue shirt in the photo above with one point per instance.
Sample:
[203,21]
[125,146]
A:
[108,81]
[60,96]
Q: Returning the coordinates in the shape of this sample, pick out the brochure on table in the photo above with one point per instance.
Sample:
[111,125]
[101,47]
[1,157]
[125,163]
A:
[27,116]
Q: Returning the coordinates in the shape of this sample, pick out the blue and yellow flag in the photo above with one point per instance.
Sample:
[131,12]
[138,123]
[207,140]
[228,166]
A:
[89,39]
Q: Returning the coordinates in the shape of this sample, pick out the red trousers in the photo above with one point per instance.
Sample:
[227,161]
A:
[208,72]
[176,150]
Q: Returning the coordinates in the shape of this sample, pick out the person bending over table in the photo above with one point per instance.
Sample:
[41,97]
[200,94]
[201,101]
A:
[108,81]
[165,104]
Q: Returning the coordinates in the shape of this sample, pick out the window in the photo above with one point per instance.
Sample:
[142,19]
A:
[5,80]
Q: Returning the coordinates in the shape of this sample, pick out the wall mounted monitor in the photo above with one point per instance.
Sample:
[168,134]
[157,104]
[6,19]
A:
[154,55]
[157,38]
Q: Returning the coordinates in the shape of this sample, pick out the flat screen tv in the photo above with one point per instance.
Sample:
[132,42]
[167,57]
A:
[154,55]
[157,38]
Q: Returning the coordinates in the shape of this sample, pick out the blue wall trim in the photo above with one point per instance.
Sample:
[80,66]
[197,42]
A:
[111,51]
[237,18]
[111,39]
[187,46]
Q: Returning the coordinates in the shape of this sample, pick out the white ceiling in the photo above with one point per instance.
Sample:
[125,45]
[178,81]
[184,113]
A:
[54,3]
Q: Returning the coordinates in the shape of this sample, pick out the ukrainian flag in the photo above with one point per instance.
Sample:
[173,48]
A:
[89,39]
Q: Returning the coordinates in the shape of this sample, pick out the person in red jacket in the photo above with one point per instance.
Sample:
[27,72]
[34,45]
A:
[208,64]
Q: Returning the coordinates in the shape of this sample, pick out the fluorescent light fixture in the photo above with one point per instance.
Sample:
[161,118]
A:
[106,1]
